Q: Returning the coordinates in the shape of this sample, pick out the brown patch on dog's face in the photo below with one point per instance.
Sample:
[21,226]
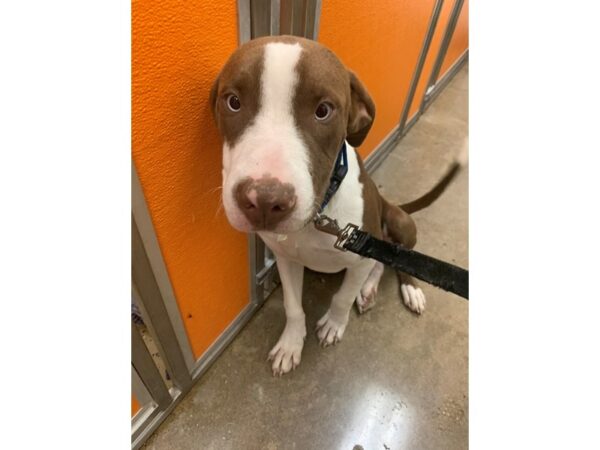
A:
[239,77]
[323,79]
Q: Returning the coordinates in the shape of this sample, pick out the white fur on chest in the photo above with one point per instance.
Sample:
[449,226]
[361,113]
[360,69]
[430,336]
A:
[313,248]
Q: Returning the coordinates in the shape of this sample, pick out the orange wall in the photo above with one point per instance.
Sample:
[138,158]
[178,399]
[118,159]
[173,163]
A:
[178,47]
[460,40]
[381,42]
[135,406]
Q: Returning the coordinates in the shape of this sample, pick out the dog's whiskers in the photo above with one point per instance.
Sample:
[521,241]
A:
[215,189]
[219,208]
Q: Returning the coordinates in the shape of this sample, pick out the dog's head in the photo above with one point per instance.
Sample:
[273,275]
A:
[284,106]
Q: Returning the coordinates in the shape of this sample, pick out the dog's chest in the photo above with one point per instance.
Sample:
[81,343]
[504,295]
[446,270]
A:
[311,248]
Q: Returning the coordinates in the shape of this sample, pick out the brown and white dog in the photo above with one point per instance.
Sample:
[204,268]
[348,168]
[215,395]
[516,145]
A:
[284,106]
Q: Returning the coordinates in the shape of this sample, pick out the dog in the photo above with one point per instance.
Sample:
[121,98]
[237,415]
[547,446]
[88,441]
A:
[284,107]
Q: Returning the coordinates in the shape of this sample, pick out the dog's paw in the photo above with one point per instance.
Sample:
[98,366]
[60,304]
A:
[330,331]
[366,298]
[286,354]
[413,297]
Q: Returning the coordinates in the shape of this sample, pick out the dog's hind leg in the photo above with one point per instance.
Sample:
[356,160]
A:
[399,227]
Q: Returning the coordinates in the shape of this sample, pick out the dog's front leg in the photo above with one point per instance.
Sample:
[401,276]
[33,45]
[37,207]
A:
[330,328]
[288,350]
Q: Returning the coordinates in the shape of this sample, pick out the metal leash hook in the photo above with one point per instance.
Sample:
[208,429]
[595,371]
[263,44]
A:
[326,224]
[331,226]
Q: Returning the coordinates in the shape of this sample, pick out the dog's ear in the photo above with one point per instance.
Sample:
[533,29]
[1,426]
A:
[362,112]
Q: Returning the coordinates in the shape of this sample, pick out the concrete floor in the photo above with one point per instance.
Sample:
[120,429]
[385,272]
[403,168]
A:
[397,380]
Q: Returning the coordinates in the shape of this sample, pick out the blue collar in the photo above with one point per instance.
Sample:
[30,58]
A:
[339,172]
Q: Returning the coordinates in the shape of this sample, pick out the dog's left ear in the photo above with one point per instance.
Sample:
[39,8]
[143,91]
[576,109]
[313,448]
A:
[362,112]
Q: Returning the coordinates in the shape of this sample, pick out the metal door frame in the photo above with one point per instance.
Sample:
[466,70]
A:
[153,293]
[435,85]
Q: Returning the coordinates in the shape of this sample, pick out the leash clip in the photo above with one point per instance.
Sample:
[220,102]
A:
[326,224]
[331,226]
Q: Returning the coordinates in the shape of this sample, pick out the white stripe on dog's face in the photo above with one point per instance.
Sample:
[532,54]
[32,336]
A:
[271,146]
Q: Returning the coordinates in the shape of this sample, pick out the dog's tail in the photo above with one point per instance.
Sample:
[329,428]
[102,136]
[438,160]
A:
[425,200]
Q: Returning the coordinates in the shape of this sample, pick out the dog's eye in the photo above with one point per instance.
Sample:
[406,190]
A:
[233,102]
[323,111]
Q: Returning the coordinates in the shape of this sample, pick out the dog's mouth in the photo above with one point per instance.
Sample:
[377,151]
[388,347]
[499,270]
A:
[294,226]
[288,226]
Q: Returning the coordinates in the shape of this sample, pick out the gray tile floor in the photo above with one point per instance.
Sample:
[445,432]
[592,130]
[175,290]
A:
[397,380]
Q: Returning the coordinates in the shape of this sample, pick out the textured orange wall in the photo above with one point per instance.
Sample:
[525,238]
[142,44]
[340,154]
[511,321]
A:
[381,42]
[178,48]
[460,40]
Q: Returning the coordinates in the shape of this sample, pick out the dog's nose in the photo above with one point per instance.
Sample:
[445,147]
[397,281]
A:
[265,202]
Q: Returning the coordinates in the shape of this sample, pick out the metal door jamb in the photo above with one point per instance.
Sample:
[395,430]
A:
[166,317]
[448,33]
[435,14]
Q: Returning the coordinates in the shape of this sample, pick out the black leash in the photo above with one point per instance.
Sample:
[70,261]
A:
[350,238]
[431,270]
